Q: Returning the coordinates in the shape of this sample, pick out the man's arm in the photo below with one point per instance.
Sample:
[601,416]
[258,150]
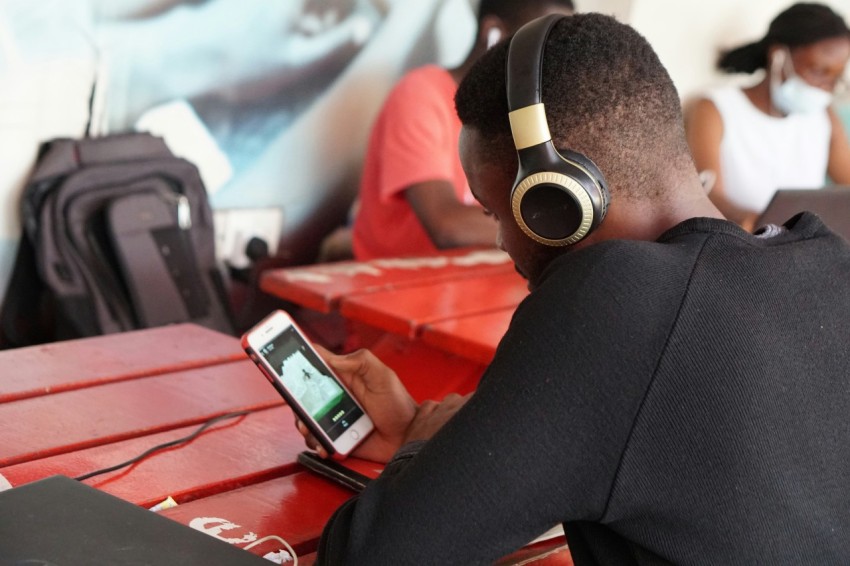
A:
[413,155]
[537,444]
[449,222]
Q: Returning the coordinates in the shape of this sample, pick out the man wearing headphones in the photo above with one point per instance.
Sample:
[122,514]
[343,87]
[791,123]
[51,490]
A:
[673,390]
[414,198]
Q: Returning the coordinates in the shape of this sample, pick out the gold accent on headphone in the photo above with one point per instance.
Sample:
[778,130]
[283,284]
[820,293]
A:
[573,187]
[529,126]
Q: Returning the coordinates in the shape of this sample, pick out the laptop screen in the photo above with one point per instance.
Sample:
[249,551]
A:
[831,204]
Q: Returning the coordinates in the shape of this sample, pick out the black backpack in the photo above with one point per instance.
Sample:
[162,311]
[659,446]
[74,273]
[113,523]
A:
[117,235]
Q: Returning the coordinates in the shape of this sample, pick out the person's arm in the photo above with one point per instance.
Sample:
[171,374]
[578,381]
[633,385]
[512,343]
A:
[838,167]
[449,222]
[537,444]
[417,149]
[704,128]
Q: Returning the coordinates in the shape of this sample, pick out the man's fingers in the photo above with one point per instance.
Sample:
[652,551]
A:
[427,407]
[302,428]
[309,439]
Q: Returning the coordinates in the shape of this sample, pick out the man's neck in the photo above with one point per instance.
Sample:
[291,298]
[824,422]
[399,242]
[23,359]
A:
[647,220]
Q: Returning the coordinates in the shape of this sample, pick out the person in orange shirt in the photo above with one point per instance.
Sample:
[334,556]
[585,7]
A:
[414,198]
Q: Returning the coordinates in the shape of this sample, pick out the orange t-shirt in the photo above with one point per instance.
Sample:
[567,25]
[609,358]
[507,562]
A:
[414,140]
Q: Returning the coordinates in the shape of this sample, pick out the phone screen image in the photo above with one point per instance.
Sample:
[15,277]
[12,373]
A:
[307,379]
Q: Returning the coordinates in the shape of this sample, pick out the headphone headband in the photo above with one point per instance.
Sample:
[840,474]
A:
[525,62]
[525,70]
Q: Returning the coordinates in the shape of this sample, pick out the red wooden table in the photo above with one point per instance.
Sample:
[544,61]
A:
[322,287]
[457,303]
[78,406]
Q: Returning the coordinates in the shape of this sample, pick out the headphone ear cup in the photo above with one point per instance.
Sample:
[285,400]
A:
[546,209]
[562,199]
[596,177]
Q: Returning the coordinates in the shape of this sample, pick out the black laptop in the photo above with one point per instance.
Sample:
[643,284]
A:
[62,522]
[831,204]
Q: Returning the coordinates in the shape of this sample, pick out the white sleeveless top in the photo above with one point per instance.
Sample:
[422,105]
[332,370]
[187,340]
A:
[760,154]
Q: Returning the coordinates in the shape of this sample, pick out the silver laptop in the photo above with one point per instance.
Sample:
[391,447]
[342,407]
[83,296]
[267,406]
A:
[831,204]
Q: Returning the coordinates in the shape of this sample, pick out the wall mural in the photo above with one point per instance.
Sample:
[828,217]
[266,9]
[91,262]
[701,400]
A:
[272,99]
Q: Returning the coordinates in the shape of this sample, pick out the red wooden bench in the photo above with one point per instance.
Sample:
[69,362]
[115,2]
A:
[321,287]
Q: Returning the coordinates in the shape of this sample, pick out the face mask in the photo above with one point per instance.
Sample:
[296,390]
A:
[794,95]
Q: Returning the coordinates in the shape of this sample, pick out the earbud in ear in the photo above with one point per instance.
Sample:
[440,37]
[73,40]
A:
[778,60]
[493,37]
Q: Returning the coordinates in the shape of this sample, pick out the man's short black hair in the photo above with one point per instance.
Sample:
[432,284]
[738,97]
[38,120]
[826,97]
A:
[606,94]
[516,12]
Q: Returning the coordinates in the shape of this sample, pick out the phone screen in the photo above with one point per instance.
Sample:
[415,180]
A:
[307,378]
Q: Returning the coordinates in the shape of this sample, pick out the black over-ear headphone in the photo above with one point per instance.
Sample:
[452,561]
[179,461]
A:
[558,198]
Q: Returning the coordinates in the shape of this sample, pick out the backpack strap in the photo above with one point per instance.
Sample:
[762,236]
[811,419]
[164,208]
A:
[22,315]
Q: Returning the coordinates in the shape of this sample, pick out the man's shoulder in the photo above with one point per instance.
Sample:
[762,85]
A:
[671,258]
[627,260]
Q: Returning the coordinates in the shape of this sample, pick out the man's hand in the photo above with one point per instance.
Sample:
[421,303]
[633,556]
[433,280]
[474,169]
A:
[384,398]
[432,415]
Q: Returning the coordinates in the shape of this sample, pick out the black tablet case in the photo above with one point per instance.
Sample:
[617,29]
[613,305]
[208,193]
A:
[334,471]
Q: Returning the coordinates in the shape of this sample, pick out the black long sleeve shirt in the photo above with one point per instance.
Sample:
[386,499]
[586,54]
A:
[682,401]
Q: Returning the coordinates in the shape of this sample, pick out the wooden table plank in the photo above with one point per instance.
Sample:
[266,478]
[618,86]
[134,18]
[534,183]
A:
[474,337]
[406,311]
[230,454]
[295,508]
[65,422]
[321,287]
[74,364]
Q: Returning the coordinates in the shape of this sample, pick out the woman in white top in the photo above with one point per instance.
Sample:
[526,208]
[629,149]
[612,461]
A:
[782,131]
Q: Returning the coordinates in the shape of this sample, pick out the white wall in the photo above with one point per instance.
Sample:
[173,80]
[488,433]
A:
[43,94]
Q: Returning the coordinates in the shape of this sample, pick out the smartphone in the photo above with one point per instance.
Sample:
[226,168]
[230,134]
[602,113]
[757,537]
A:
[309,386]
